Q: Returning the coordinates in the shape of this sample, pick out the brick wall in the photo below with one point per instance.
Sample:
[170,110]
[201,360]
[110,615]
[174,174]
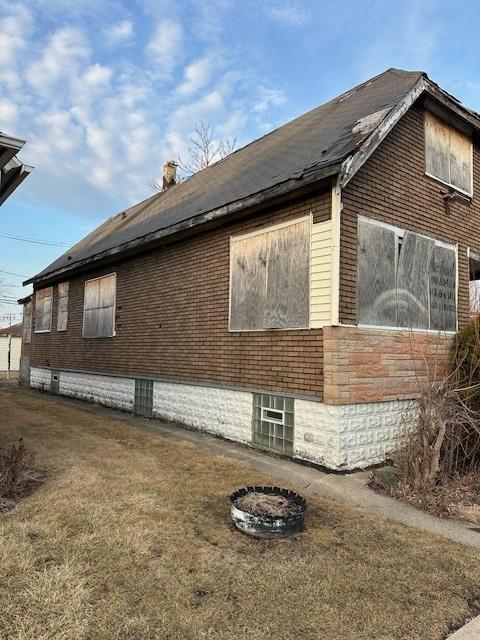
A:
[172,319]
[392,187]
[375,365]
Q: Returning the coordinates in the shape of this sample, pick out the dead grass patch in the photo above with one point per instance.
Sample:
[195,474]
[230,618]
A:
[130,539]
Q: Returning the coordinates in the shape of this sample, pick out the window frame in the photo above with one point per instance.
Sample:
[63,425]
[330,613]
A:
[262,231]
[400,233]
[114,307]
[51,310]
[467,194]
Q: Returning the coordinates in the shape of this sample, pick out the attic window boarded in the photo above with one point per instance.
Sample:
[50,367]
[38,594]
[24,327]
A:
[99,307]
[269,278]
[448,154]
[43,310]
[62,317]
[405,279]
[27,323]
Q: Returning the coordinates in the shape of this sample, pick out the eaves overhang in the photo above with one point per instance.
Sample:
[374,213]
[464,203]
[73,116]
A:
[12,171]
[188,227]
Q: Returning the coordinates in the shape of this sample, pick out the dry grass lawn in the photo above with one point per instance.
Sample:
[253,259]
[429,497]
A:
[130,538]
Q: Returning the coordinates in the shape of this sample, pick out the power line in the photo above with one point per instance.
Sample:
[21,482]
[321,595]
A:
[19,275]
[49,243]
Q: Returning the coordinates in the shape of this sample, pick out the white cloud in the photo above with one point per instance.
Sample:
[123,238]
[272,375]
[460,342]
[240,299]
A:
[66,49]
[8,114]
[15,28]
[119,32]
[97,75]
[289,13]
[164,47]
[196,75]
[268,98]
[97,125]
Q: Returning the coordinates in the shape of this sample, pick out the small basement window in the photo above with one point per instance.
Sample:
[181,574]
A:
[448,154]
[43,310]
[99,307]
[273,422]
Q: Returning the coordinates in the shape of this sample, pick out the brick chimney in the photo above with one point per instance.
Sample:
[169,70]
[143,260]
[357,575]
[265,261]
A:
[169,174]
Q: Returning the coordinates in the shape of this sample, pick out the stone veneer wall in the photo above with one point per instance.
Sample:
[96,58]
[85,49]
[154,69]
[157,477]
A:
[363,365]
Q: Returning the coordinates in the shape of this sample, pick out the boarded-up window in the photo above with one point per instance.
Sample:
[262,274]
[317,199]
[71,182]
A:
[43,310]
[414,256]
[404,279]
[443,293]
[448,153]
[27,322]
[376,290]
[62,316]
[270,278]
[99,307]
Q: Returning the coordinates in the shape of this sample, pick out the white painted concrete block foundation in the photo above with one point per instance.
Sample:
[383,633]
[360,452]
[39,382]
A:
[111,391]
[338,437]
[219,411]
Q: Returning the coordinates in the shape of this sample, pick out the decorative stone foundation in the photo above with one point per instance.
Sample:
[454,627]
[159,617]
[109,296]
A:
[335,436]
[363,365]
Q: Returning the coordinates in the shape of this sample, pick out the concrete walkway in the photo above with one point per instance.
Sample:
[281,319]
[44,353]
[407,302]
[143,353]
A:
[348,489]
[471,631]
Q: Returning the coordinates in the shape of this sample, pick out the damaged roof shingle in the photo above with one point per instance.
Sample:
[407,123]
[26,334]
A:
[321,138]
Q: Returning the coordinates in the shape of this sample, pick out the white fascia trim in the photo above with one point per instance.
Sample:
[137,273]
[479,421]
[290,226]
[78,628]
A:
[353,163]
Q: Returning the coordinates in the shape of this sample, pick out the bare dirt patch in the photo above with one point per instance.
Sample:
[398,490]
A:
[130,538]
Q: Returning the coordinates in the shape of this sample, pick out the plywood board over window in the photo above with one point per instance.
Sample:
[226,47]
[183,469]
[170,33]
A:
[376,289]
[43,310]
[413,274]
[99,307]
[448,154]
[27,323]
[405,279]
[62,316]
[270,278]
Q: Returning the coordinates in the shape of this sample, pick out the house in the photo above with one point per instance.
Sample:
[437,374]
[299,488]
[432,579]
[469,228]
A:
[10,350]
[12,171]
[288,296]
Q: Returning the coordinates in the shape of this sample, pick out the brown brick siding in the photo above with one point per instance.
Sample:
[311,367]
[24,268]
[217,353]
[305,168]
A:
[172,319]
[374,365]
[392,187]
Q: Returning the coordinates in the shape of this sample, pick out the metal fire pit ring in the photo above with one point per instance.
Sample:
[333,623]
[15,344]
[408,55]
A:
[267,526]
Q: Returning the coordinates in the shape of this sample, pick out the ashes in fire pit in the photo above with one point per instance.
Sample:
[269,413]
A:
[267,512]
[263,504]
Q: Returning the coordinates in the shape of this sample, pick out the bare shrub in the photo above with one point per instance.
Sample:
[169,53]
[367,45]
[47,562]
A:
[443,432]
[18,475]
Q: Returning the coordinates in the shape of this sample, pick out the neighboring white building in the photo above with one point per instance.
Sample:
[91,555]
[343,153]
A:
[10,350]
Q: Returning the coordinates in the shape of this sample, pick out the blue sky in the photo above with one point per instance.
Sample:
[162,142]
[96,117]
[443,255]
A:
[105,91]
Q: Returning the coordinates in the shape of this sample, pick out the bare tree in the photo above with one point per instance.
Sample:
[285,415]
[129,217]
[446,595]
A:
[203,150]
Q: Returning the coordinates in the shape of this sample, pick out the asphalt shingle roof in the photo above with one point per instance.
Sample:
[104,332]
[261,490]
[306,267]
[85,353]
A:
[320,138]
